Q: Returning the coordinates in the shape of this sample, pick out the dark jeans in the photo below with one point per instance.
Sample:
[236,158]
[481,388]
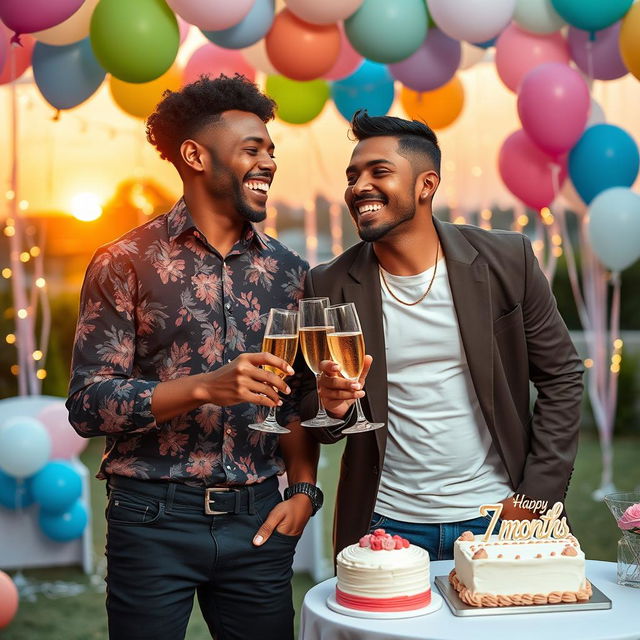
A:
[162,549]
[437,539]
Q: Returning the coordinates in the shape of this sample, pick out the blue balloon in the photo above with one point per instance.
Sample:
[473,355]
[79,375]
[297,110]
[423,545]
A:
[15,494]
[369,87]
[56,486]
[591,15]
[66,526]
[66,76]
[248,31]
[486,44]
[605,156]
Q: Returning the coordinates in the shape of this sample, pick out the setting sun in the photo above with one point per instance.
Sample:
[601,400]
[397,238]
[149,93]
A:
[86,207]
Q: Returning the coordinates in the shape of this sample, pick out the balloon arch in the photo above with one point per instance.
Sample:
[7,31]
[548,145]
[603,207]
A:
[365,53]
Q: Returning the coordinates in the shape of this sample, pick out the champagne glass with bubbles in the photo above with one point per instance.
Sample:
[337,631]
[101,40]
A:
[313,342]
[281,340]
[346,345]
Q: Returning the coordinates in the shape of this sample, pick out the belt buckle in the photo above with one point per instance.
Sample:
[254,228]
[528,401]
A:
[208,499]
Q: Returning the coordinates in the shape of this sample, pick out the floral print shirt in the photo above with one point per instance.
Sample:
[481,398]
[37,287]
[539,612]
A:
[160,303]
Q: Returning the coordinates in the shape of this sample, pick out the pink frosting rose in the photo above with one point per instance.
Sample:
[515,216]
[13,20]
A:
[630,519]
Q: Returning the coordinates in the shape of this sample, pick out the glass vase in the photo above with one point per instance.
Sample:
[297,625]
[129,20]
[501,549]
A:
[629,543]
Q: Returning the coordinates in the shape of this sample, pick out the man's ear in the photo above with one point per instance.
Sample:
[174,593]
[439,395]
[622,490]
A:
[427,184]
[192,154]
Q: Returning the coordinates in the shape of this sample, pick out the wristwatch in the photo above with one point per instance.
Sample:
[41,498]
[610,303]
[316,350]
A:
[310,490]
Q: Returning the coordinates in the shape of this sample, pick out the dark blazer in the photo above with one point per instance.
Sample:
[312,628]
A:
[512,334]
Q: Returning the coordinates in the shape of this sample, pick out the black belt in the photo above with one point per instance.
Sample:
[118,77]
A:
[213,500]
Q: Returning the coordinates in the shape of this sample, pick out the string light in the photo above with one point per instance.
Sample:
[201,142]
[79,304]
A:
[459,220]
[588,363]
[486,214]
[40,283]
[24,205]
[546,215]
[41,374]
[15,369]
[34,251]
[538,245]
[11,338]
[9,231]
[10,194]
[523,220]
[37,355]
[556,239]
[617,344]
[22,314]
[557,251]
[6,273]
[25,256]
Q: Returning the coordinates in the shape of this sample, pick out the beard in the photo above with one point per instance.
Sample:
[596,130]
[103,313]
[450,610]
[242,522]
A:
[227,184]
[373,232]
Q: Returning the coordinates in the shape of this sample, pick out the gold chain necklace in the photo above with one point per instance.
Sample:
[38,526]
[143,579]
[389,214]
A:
[424,295]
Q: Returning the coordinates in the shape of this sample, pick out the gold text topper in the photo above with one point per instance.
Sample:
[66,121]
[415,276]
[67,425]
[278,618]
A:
[548,525]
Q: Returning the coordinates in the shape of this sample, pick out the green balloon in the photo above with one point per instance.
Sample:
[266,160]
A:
[387,32]
[298,102]
[135,41]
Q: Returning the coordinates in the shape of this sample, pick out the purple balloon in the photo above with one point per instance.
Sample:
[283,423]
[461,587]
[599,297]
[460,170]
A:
[432,65]
[36,15]
[606,62]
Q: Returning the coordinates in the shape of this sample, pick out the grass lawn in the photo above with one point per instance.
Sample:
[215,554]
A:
[82,617]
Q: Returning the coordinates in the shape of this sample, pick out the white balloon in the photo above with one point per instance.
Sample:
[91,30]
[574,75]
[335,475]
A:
[325,11]
[25,446]
[596,115]
[471,20]
[470,55]
[72,30]
[614,227]
[537,16]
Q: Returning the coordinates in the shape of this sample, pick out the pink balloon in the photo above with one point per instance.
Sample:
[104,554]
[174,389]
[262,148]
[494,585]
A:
[65,442]
[348,59]
[18,56]
[518,51]
[36,15]
[212,60]
[212,15]
[528,172]
[554,105]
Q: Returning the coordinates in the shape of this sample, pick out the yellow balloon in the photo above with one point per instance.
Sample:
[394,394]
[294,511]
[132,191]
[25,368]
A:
[629,41]
[140,100]
[438,108]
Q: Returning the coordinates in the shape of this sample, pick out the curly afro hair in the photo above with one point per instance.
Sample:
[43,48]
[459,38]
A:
[181,114]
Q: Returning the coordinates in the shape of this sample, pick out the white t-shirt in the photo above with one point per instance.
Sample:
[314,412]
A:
[440,464]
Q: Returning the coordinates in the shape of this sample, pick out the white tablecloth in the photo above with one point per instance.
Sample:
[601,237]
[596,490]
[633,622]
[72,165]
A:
[621,622]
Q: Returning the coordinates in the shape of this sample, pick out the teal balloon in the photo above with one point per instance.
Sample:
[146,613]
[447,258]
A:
[15,494]
[370,87]
[298,102]
[386,31]
[66,526]
[614,227]
[56,486]
[591,15]
[605,156]
[135,41]
[68,75]
[24,446]
[249,30]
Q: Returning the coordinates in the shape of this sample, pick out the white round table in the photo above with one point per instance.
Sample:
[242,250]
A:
[621,622]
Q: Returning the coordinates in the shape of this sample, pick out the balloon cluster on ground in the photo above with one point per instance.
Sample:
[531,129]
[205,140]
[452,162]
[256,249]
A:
[358,54]
[36,467]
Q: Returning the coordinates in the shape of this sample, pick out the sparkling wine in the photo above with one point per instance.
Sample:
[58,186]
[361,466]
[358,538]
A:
[284,347]
[313,342]
[347,349]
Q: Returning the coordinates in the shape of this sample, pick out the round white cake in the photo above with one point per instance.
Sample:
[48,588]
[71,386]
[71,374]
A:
[383,573]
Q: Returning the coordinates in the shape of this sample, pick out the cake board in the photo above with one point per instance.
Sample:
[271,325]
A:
[434,605]
[598,600]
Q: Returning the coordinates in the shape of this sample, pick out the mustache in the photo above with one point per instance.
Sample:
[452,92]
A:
[261,174]
[370,196]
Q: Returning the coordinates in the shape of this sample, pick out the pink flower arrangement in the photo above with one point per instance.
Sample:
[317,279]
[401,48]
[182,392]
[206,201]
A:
[380,540]
[630,519]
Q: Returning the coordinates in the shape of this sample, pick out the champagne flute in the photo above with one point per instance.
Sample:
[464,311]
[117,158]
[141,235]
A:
[281,340]
[346,345]
[313,342]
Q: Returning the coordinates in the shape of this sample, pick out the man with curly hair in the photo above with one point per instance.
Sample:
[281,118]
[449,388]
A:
[167,366]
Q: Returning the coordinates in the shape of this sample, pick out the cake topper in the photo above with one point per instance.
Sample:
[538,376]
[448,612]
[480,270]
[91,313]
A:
[548,525]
